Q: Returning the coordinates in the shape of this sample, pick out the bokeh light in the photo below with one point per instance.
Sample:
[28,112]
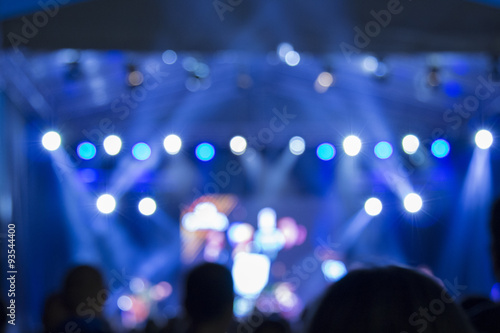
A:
[51,140]
[141,151]
[410,144]
[292,58]
[325,151]
[238,145]
[147,206]
[124,303]
[106,203]
[86,150]
[413,203]
[297,145]
[373,206]
[383,150]
[205,151]
[484,139]
[172,144]
[352,145]
[440,148]
[333,270]
[112,145]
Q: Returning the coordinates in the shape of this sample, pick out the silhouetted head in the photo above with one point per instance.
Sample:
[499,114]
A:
[54,313]
[209,293]
[390,299]
[273,324]
[81,283]
[495,237]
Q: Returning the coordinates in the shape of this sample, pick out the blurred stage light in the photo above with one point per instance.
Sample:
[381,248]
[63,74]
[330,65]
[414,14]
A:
[297,145]
[147,206]
[238,145]
[267,219]
[440,148]
[325,151]
[325,79]
[352,145]
[51,140]
[250,273]
[106,203]
[410,144]
[112,145]
[240,232]
[333,270]
[383,150]
[136,285]
[370,64]
[484,139]
[292,58]
[205,151]
[169,57]
[373,206]
[124,303]
[413,202]
[205,216]
[283,49]
[86,150]
[141,151]
[172,144]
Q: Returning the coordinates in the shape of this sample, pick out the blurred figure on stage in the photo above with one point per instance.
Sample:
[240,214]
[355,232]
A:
[388,299]
[208,301]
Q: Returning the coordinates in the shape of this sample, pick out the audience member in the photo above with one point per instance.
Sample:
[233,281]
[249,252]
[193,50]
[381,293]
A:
[389,299]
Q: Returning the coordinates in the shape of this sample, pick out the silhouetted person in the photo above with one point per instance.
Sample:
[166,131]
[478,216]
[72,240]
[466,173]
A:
[386,300]
[3,316]
[483,312]
[55,313]
[208,301]
[273,324]
[84,296]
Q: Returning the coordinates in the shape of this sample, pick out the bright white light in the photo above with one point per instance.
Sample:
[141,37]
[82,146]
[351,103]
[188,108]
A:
[106,203]
[250,273]
[267,219]
[238,145]
[292,58]
[333,270]
[370,64]
[172,144]
[410,144]
[124,303]
[373,206]
[240,232]
[325,79]
[413,202]
[205,216]
[147,206]
[283,49]
[352,145]
[51,140]
[484,139]
[297,145]
[112,145]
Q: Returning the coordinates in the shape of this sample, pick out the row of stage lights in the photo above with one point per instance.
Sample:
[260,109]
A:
[205,151]
[106,204]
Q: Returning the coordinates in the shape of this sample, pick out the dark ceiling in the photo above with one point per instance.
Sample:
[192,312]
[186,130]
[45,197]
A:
[318,27]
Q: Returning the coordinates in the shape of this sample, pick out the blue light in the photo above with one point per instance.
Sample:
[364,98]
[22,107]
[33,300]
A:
[86,150]
[205,151]
[453,89]
[440,148]
[383,150]
[141,151]
[325,151]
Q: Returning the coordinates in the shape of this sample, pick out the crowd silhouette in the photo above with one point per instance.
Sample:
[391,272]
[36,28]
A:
[382,299]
